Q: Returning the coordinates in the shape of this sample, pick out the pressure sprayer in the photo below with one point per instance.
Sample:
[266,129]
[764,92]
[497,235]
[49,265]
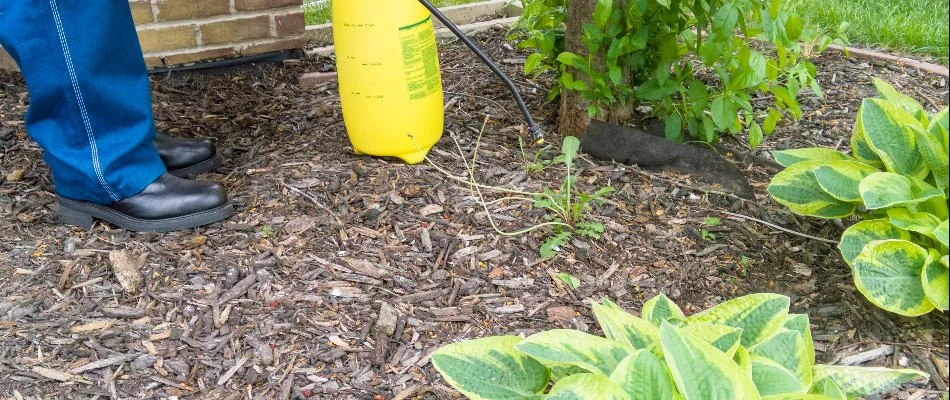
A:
[389,79]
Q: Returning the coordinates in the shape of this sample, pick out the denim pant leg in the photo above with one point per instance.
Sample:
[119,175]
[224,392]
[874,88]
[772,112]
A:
[90,103]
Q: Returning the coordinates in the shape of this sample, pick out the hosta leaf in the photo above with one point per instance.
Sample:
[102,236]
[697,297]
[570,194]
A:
[936,281]
[787,158]
[863,381]
[920,222]
[828,388]
[586,387]
[561,372]
[759,315]
[798,396]
[861,149]
[942,233]
[797,188]
[888,273]
[723,337]
[787,348]
[799,323]
[743,359]
[771,378]
[840,179]
[701,371]
[643,377]
[661,308]
[561,347]
[939,129]
[935,157]
[624,328]
[887,129]
[887,92]
[491,369]
[887,189]
[860,234]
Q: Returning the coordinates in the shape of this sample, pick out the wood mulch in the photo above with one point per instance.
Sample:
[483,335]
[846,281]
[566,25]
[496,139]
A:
[340,274]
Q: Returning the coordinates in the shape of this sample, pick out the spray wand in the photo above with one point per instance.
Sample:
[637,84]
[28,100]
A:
[536,132]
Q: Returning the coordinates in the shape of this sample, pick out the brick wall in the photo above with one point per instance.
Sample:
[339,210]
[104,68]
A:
[177,32]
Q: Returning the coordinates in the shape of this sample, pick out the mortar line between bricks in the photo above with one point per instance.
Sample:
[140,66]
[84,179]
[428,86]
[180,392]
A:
[231,45]
[219,18]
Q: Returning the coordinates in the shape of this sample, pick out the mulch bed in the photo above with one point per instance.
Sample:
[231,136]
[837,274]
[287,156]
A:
[340,275]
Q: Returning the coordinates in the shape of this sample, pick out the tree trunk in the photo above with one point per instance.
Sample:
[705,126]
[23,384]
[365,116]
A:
[573,118]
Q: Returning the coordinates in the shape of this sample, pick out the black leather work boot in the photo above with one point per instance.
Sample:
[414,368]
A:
[187,158]
[168,204]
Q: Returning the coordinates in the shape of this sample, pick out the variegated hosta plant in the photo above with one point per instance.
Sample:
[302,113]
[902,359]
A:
[745,348]
[895,180]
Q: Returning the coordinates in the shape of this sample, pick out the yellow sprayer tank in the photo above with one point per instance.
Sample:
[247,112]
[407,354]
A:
[390,84]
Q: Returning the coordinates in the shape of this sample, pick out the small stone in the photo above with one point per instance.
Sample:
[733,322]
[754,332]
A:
[514,308]
[564,313]
[15,175]
[143,361]
[386,323]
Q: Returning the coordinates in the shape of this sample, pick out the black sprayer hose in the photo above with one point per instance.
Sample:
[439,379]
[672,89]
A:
[536,132]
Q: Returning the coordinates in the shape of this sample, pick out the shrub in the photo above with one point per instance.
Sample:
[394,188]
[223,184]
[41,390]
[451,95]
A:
[895,180]
[655,51]
[745,348]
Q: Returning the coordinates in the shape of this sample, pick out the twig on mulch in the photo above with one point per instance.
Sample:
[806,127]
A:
[314,201]
[771,225]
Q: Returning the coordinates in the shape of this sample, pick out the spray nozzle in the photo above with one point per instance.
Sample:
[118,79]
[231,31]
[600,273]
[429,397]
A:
[537,134]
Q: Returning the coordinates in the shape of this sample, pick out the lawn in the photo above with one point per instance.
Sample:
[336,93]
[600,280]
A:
[918,26]
[319,12]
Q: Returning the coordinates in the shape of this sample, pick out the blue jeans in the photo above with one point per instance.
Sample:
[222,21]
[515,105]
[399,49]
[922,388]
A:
[90,106]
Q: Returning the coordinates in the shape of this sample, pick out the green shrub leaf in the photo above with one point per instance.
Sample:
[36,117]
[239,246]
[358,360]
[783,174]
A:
[771,378]
[491,369]
[797,188]
[860,234]
[586,387]
[863,381]
[787,158]
[624,328]
[563,347]
[701,371]
[759,315]
[888,131]
[661,308]
[840,178]
[936,281]
[724,112]
[888,273]
[643,377]
[787,348]
[887,92]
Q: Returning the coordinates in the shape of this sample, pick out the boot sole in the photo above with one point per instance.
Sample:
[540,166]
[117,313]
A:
[81,214]
[211,164]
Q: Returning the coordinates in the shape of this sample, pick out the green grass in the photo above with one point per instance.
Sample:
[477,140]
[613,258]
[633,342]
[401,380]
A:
[911,26]
[316,14]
